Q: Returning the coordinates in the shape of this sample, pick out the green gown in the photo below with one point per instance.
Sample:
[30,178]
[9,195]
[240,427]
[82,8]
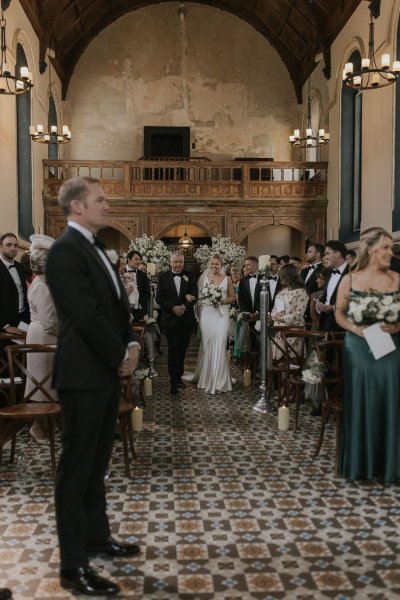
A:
[370,446]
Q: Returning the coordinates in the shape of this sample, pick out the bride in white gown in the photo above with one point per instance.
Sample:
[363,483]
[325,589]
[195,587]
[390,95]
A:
[212,373]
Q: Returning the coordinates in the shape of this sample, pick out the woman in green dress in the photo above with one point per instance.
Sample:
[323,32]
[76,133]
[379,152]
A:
[371,402]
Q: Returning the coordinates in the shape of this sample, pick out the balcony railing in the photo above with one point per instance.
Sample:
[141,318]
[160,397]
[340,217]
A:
[192,179]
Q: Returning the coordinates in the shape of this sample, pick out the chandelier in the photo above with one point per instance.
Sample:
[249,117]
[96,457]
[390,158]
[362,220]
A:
[11,84]
[370,76]
[185,243]
[50,134]
[309,140]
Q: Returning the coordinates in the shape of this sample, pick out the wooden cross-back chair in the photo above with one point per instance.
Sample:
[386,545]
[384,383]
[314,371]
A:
[6,339]
[20,407]
[298,346]
[125,408]
[281,367]
[330,355]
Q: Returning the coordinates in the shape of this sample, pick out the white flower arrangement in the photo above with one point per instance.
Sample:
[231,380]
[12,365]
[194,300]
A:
[312,373]
[112,256]
[257,326]
[141,373]
[231,253]
[185,278]
[374,306]
[210,295]
[152,251]
[149,320]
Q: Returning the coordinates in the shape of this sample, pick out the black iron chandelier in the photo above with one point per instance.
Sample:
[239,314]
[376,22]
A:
[11,85]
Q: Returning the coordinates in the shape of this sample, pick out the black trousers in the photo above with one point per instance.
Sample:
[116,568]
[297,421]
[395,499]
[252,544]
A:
[178,338]
[88,426]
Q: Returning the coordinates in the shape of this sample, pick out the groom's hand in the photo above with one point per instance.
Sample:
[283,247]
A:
[178,310]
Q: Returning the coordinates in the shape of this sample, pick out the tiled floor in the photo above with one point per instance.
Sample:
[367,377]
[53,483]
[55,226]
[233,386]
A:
[224,506]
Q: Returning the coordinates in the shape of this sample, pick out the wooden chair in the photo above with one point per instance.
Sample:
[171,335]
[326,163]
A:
[298,346]
[251,358]
[281,368]
[125,408]
[330,355]
[27,410]
[6,339]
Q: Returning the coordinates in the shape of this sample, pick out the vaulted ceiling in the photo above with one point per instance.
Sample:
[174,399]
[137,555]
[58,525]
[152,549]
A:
[297,29]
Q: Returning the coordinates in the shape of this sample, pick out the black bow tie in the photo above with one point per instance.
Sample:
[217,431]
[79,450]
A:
[335,272]
[313,267]
[274,277]
[251,276]
[97,242]
[12,267]
[132,270]
[177,274]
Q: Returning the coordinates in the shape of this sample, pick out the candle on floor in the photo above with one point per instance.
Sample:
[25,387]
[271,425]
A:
[247,377]
[283,417]
[137,419]
[147,386]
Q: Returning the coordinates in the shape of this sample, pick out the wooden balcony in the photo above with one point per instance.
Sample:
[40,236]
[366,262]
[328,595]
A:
[232,198]
[193,179]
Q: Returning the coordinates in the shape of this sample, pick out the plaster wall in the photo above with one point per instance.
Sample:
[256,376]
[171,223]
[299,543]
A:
[19,30]
[378,121]
[207,70]
[275,239]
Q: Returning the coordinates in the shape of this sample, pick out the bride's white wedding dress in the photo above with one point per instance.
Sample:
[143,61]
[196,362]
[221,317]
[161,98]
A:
[212,373]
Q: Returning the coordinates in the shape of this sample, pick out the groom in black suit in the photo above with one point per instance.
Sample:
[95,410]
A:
[335,257]
[176,294]
[95,347]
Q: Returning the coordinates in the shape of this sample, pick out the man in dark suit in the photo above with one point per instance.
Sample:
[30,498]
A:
[249,287]
[314,256]
[95,347]
[176,294]
[133,260]
[274,281]
[335,256]
[14,306]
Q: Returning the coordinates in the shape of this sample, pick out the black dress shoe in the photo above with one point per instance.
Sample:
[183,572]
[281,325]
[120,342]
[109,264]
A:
[114,548]
[5,594]
[175,389]
[86,581]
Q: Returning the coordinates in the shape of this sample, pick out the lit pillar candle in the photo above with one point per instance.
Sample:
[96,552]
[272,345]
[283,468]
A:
[348,68]
[357,81]
[291,138]
[385,61]
[39,129]
[147,386]
[283,417]
[65,130]
[47,137]
[24,72]
[365,63]
[247,377]
[137,419]
[309,132]
[297,133]
[151,269]
[321,133]
[54,129]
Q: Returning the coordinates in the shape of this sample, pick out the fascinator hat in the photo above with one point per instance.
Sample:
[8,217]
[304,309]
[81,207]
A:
[40,241]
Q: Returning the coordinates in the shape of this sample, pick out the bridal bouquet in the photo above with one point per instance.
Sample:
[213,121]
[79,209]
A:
[373,306]
[211,295]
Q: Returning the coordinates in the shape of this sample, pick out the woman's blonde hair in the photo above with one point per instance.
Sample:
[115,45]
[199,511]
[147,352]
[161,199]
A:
[369,240]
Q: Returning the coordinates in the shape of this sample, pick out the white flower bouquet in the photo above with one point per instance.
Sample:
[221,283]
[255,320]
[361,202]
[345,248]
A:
[141,373]
[210,295]
[231,253]
[369,307]
[152,251]
[312,373]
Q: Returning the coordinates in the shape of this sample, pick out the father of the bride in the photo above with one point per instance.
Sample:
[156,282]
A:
[95,347]
[176,294]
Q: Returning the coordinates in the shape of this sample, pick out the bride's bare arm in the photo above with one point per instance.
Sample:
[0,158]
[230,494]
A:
[342,302]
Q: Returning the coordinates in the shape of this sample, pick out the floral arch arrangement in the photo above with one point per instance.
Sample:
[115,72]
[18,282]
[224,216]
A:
[152,251]
[231,253]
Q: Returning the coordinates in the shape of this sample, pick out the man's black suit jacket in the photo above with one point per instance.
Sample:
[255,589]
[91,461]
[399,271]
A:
[167,297]
[143,286]
[311,284]
[327,320]
[244,296]
[93,320]
[9,302]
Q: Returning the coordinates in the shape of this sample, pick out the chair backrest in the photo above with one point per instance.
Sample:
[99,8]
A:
[140,331]
[17,355]
[298,344]
[7,339]
[329,353]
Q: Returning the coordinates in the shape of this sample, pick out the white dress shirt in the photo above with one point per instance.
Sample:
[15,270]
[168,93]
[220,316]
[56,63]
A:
[252,286]
[333,281]
[311,271]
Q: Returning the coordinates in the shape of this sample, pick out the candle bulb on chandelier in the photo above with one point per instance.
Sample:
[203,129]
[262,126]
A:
[54,129]
[365,63]
[65,130]
[375,80]
[39,129]
[385,61]
[24,72]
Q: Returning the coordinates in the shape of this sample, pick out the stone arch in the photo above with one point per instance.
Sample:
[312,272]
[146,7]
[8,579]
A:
[301,226]
[183,221]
